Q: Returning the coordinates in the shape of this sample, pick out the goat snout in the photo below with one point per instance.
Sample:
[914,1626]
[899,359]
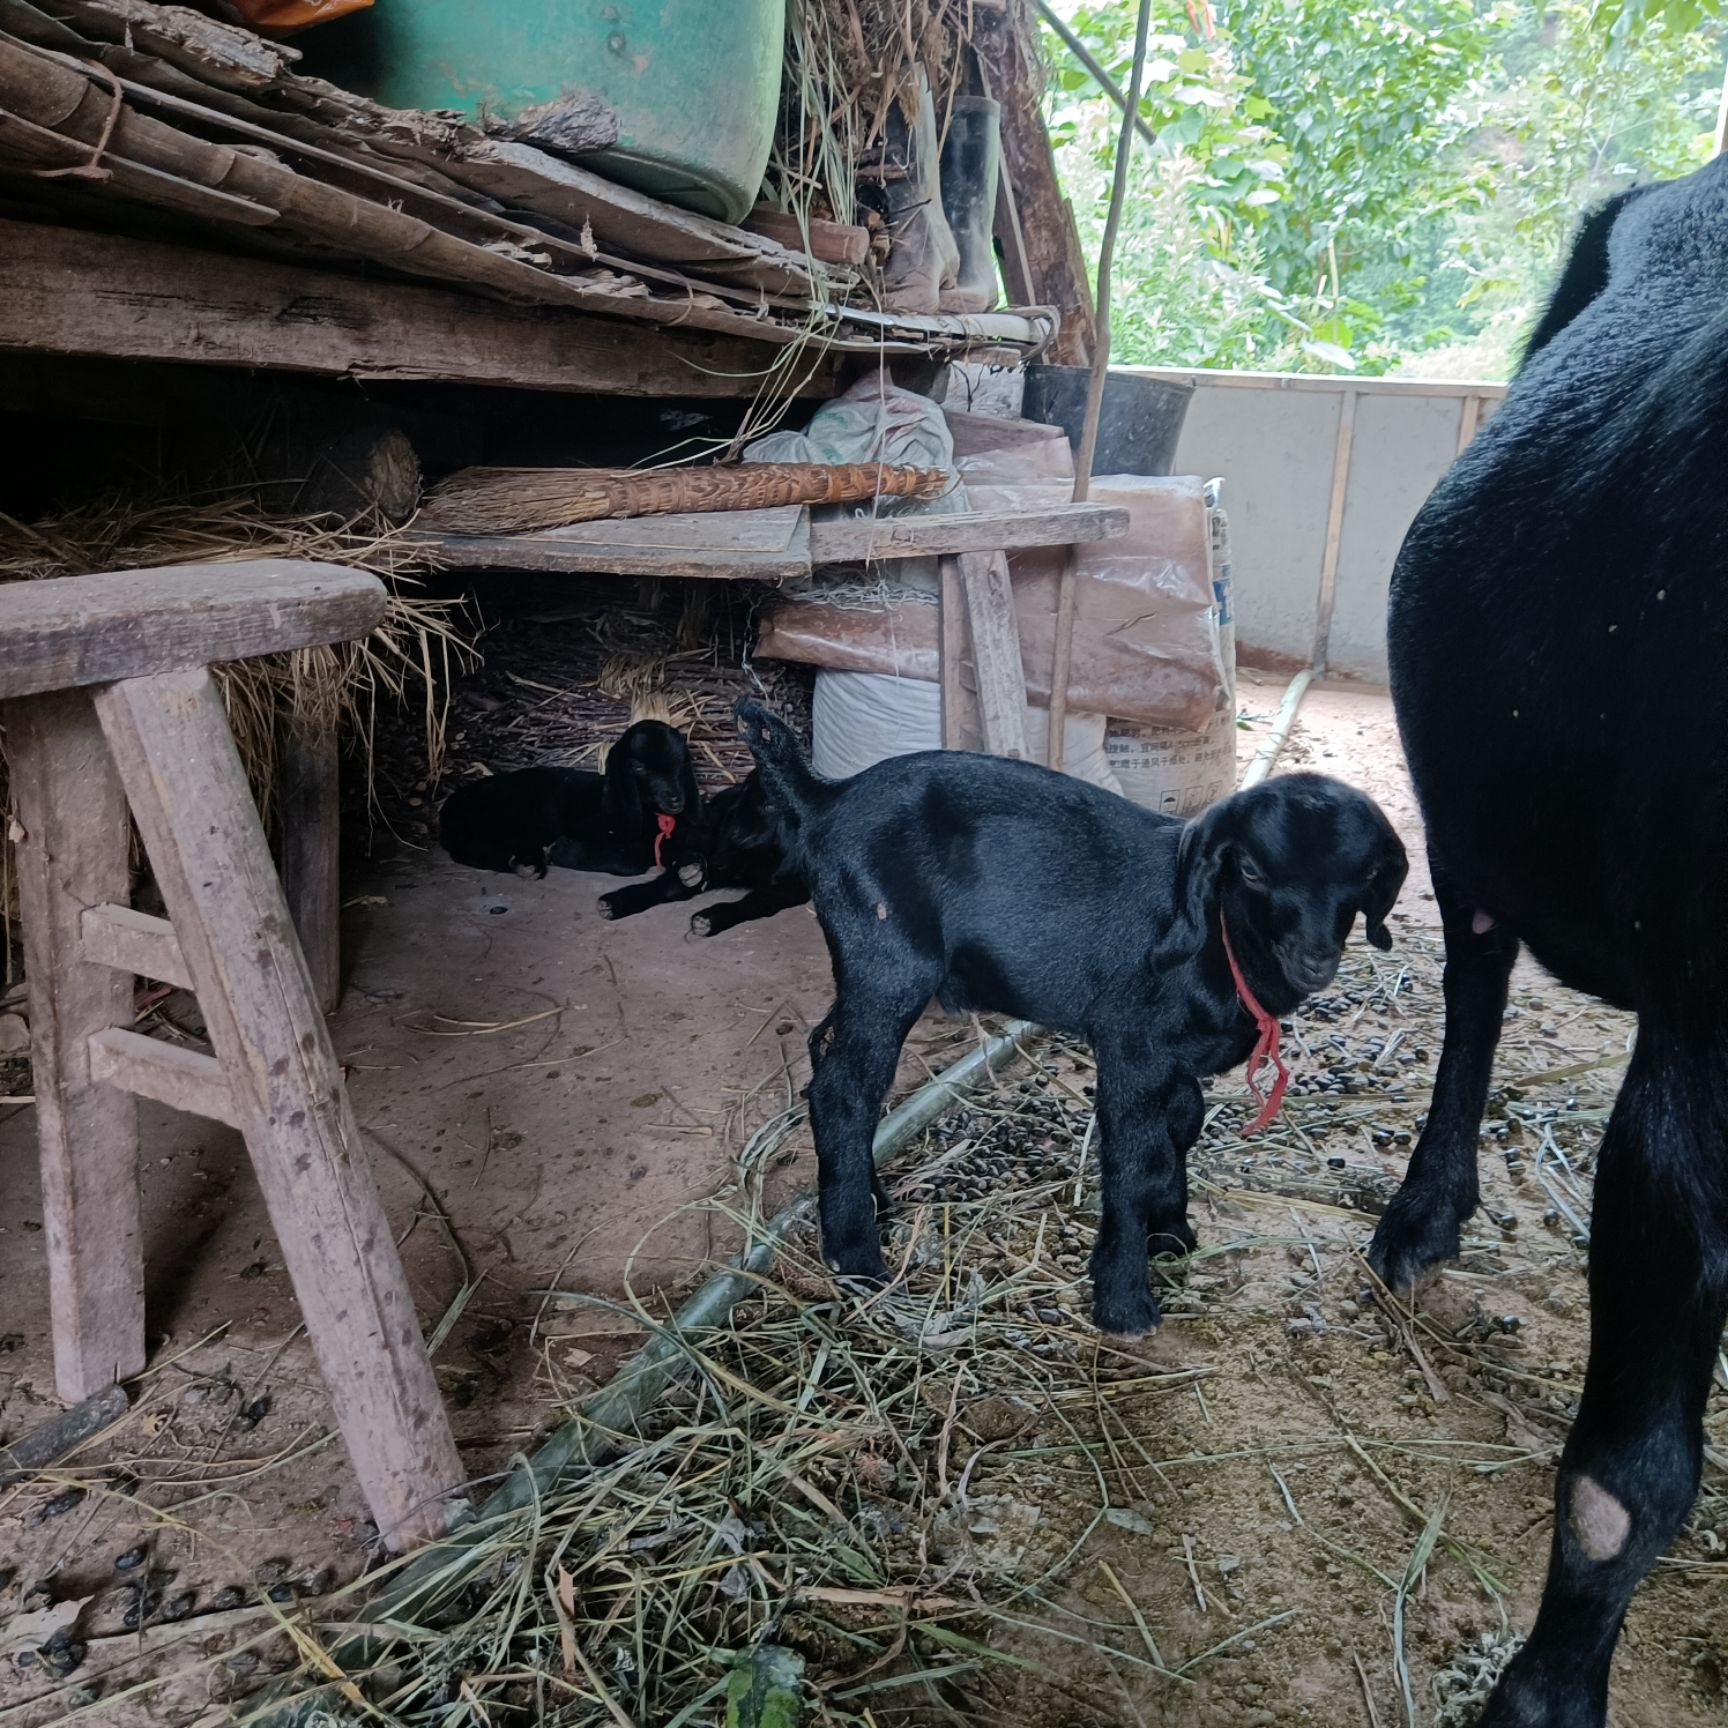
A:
[1306,968]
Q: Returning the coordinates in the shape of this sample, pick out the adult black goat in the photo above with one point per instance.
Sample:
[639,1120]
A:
[612,822]
[1559,652]
[1000,885]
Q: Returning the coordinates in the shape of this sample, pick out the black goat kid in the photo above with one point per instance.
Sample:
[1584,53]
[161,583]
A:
[1003,886]
[1559,652]
[736,844]
[611,822]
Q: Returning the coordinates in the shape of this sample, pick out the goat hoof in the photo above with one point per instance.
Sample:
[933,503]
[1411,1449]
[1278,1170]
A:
[1414,1236]
[701,924]
[1125,1317]
[865,1267]
[607,909]
[691,875]
[1175,1238]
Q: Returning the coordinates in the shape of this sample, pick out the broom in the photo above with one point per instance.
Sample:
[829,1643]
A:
[518,500]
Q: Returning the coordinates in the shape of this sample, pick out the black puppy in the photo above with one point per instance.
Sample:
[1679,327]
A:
[1171,948]
[610,822]
[735,844]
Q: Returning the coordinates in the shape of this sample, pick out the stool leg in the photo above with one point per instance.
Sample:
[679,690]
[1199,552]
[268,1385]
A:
[182,773]
[308,803]
[74,853]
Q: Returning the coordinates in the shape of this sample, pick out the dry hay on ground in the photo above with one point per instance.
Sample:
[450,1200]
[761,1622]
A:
[1299,1502]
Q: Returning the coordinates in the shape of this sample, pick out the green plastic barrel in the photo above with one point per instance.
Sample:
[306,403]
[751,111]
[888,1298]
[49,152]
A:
[695,83]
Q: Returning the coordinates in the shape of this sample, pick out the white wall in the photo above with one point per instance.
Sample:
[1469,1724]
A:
[1292,490]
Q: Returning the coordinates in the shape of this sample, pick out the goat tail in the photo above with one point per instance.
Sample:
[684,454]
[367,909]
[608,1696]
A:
[793,787]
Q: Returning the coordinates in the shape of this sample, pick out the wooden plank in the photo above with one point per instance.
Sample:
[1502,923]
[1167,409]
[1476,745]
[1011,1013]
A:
[923,535]
[832,242]
[627,221]
[188,792]
[134,943]
[995,633]
[770,545]
[1334,530]
[168,1073]
[72,853]
[69,98]
[309,818]
[74,630]
[730,545]
[64,291]
[952,602]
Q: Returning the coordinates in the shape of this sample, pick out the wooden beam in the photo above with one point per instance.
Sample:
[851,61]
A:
[168,1073]
[134,943]
[919,536]
[995,629]
[64,291]
[1055,264]
[73,843]
[763,546]
[76,630]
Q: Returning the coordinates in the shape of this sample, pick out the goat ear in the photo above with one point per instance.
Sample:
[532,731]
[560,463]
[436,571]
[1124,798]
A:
[1383,890]
[623,794]
[1199,859]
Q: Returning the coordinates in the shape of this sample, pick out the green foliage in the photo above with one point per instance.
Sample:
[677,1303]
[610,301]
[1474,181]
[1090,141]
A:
[1346,184]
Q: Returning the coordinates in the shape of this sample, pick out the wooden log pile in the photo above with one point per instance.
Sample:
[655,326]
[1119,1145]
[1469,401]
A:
[111,106]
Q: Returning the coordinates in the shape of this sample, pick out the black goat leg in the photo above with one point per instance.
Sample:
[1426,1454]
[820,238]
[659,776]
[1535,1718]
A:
[853,1055]
[1421,1226]
[1144,1188]
[659,890]
[1658,1299]
[758,903]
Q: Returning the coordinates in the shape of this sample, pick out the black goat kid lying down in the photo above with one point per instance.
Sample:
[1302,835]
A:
[1559,648]
[614,822]
[735,844]
[1003,886]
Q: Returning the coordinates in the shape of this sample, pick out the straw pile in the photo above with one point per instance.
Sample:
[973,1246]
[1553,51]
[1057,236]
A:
[409,657]
[847,63]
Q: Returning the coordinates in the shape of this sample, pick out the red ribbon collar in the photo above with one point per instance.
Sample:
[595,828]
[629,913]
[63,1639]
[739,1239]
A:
[666,824]
[1265,1047]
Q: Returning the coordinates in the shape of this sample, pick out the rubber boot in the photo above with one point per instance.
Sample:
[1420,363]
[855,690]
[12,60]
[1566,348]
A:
[971,164]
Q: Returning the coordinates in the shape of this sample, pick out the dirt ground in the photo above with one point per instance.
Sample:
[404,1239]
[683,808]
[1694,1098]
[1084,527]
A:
[1293,1504]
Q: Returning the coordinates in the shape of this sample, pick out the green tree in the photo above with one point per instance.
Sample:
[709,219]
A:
[1360,183]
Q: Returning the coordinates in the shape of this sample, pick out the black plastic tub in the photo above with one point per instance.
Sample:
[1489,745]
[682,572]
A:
[1138,426]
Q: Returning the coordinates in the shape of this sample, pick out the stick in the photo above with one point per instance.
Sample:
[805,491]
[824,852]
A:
[1102,78]
[1106,255]
[50,1442]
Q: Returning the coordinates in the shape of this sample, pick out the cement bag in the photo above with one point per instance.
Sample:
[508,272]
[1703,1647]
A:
[861,718]
[1170,769]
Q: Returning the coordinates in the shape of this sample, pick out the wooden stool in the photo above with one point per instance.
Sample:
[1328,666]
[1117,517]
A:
[110,705]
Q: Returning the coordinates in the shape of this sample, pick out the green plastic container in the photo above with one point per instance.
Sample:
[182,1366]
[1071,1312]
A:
[695,83]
